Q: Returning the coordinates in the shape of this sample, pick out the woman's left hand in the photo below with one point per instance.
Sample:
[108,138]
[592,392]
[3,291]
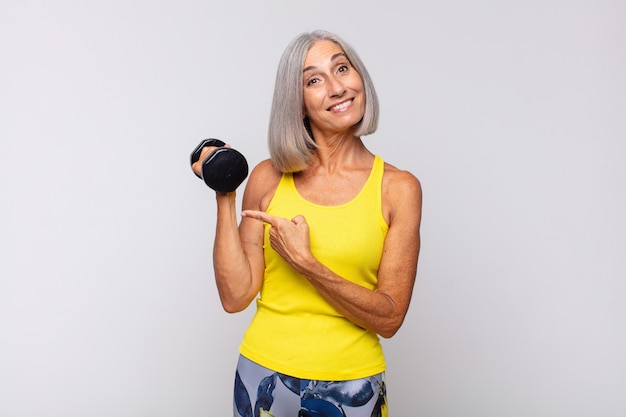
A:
[290,238]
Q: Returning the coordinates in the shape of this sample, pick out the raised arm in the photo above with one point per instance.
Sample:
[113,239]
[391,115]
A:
[238,248]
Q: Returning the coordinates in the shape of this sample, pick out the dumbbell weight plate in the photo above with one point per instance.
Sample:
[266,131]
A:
[224,170]
[195,155]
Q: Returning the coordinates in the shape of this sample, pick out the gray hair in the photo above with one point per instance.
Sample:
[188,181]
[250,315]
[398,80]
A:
[289,137]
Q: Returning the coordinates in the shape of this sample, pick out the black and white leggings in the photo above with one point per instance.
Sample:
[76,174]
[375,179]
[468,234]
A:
[261,392]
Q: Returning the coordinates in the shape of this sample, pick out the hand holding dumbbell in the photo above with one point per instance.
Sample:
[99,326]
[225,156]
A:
[224,169]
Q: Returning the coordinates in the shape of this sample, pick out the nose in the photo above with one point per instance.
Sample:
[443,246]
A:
[335,87]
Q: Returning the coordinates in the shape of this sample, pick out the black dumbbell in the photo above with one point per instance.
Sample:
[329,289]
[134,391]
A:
[224,169]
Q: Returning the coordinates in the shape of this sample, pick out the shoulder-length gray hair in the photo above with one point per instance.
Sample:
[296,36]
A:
[289,137]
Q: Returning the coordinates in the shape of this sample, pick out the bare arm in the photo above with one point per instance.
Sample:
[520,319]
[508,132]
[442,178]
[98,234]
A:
[238,259]
[382,310]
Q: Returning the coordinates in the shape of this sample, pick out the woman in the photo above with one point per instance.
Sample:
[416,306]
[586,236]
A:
[329,236]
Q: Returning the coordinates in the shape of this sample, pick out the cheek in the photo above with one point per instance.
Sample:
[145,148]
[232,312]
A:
[309,102]
[355,84]
[361,90]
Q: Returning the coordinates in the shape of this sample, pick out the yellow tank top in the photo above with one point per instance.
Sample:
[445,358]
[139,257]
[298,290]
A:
[295,331]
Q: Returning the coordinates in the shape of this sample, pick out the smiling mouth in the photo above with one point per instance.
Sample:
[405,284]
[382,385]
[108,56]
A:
[341,105]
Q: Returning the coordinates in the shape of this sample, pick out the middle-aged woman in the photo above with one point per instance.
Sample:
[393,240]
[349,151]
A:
[330,239]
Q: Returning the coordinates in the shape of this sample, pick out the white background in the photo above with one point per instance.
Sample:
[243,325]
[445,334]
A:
[512,114]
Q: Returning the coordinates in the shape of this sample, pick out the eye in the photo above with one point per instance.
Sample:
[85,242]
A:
[311,81]
[343,68]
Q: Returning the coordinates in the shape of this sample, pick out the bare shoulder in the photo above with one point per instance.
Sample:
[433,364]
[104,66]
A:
[397,182]
[261,185]
[402,192]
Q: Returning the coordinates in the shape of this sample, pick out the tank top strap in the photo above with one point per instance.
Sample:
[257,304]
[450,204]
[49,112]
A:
[372,191]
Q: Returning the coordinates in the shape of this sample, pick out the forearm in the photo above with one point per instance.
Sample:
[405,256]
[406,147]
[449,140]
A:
[370,309]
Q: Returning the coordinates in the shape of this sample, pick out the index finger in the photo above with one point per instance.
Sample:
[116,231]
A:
[260,215]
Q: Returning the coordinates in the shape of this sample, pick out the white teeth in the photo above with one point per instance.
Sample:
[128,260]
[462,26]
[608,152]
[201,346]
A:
[341,106]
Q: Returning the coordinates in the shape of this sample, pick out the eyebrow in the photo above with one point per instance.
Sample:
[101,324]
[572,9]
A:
[332,58]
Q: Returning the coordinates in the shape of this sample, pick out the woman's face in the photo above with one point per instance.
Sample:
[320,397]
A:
[334,99]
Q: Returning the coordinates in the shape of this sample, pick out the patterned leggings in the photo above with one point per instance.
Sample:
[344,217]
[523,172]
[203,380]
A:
[261,392]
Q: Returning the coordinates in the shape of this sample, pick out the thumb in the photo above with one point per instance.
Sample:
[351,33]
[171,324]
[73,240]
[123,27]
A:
[298,220]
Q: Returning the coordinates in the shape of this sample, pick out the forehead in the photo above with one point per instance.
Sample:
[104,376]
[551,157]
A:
[321,52]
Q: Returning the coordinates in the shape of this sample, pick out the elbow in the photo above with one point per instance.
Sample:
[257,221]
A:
[388,332]
[233,299]
[232,304]
[232,307]
[390,327]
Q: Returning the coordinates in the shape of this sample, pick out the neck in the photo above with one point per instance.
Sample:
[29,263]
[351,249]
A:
[337,152]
